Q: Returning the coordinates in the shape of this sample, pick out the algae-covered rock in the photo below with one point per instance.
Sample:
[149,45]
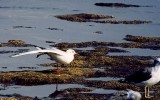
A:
[69,75]
[16,42]
[112,85]
[82,17]
[142,39]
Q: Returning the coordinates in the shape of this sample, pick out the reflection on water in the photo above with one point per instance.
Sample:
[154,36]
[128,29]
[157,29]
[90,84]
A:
[45,91]
[39,91]
[103,91]
[104,79]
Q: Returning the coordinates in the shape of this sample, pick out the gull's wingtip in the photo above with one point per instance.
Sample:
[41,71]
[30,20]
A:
[12,56]
[38,48]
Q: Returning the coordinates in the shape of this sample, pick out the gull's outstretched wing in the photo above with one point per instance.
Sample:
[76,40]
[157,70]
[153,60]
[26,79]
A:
[39,50]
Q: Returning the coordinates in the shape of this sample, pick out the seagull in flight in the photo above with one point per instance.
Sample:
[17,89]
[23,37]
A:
[147,77]
[63,57]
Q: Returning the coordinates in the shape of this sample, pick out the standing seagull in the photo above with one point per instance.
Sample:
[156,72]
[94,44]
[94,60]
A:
[55,54]
[146,77]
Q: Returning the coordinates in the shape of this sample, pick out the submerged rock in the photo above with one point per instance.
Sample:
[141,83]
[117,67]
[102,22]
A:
[23,27]
[118,5]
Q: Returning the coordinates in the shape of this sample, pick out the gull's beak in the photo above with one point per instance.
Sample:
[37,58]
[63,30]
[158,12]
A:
[76,53]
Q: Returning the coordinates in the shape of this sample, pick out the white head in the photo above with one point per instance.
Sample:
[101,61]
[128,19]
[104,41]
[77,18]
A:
[71,51]
[133,95]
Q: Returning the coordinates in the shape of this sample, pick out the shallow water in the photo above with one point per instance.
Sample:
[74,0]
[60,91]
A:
[39,90]
[136,52]
[39,15]
[42,91]
[102,91]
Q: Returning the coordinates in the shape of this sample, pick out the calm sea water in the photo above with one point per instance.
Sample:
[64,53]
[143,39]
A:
[39,15]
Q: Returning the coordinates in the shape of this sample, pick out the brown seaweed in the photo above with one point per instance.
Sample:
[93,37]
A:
[83,17]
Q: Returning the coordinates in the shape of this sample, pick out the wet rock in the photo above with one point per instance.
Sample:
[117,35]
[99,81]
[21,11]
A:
[27,67]
[16,43]
[98,32]
[46,64]
[123,21]
[107,49]
[142,39]
[118,5]
[94,18]
[4,67]
[82,17]
[62,93]
[54,29]
[69,75]
[138,42]
[112,85]
[23,27]
[84,96]
[145,42]
[84,44]
[15,97]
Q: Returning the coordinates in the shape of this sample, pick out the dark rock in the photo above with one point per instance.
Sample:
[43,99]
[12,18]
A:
[118,5]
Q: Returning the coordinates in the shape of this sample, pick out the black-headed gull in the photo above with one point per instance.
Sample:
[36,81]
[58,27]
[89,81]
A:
[63,57]
[147,77]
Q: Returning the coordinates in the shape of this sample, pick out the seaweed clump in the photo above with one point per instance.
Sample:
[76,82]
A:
[145,42]
[16,43]
[142,39]
[69,75]
[83,17]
